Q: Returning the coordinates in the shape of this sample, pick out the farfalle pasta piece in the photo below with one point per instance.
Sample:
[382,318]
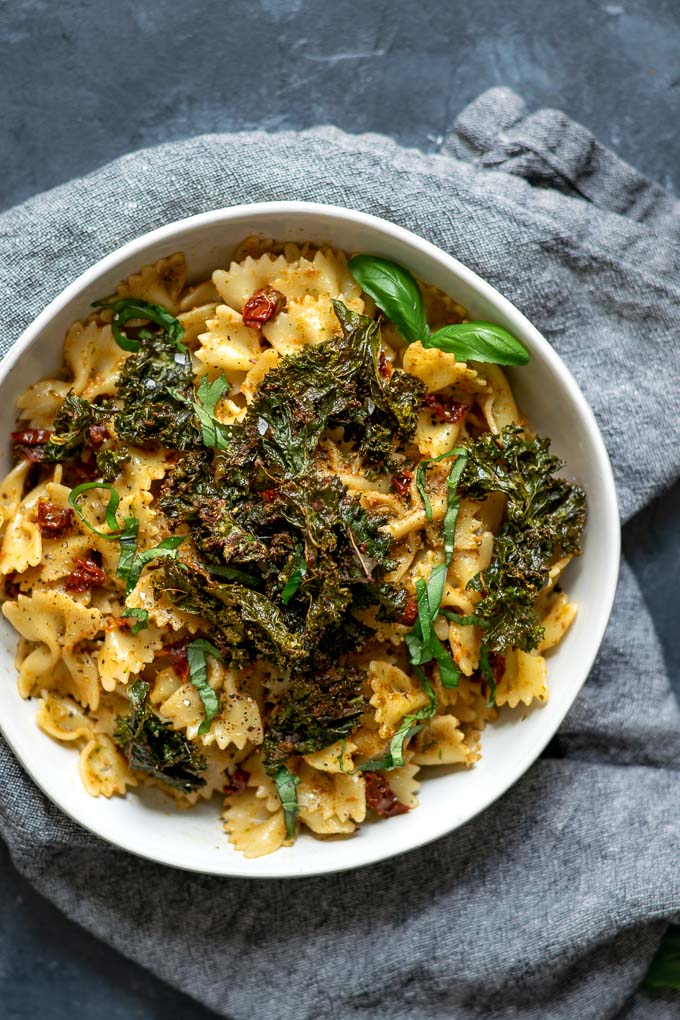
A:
[39,403]
[63,718]
[499,405]
[253,819]
[439,369]
[56,624]
[93,359]
[228,345]
[559,616]
[524,679]
[331,804]
[124,654]
[403,782]
[335,758]
[11,492]
[304,322]
[395,694]
[102,768]
[442,742]
[161,283]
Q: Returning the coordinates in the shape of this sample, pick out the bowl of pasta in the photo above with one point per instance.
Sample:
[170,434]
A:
[309,541]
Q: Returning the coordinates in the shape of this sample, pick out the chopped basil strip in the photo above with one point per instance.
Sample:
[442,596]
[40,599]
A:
[486,670]
[286,786]
[213,432]
[109,513]
[293,583]
[463,621]
[197,654]
[452,506]
[135,308]
[141,615]
[233,574]
[458,451]
[131,564]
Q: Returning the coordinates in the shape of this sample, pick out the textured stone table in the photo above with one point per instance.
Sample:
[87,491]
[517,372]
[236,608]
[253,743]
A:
[83,83]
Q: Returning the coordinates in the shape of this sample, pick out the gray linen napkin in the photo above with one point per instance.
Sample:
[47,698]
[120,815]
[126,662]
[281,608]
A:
[551,903]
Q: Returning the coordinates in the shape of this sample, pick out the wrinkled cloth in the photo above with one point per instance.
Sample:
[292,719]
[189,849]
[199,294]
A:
[551,902]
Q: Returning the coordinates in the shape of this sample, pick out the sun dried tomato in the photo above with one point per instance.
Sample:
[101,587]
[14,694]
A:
[27,444]
[86,574]
[410,614]
[12,588]
[53,520]
[238,781]
[262,306]
[179,660]
[83,470]
[96,434]
[381,797]
[384,366]
[401,483]
[446,408]
[269,495]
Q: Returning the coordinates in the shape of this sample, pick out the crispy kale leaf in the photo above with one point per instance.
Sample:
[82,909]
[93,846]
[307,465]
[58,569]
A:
[149,413]
[544,518]
[71,427]
[334,383]
[153,747]
[316,711]
[110,463]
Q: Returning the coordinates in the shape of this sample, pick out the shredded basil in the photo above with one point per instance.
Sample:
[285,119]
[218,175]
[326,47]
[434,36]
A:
[135,308]
[213,432]
[141,615]
[197,654]
[457,451]
[286,786]
[463,621]
[109,513]
[293,582]
[452,505]
[486,670]
[233,574]
[131,562]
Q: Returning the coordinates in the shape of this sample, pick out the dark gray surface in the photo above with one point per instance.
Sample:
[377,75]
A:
[84,82]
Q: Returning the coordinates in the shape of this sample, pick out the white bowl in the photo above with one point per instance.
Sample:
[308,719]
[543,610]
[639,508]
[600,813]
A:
[144,823]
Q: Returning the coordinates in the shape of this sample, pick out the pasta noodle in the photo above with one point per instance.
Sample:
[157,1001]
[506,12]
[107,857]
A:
[167,637]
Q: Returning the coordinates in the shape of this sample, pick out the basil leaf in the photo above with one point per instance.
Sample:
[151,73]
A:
[128,550]
[452,506]
[286,786]
[394,291]
[130,568]
[109,513]
[424,615]
[457,451]
[293,583]
[213,432]
[142,617]
[197,654]
[487,672]
[479,341]
[136,308]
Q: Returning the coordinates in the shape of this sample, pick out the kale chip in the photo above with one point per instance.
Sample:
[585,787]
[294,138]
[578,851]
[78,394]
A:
[153,747]
[149,413]
[545,517]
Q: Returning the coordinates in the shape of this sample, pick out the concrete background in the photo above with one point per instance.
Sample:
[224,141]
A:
[83,82]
